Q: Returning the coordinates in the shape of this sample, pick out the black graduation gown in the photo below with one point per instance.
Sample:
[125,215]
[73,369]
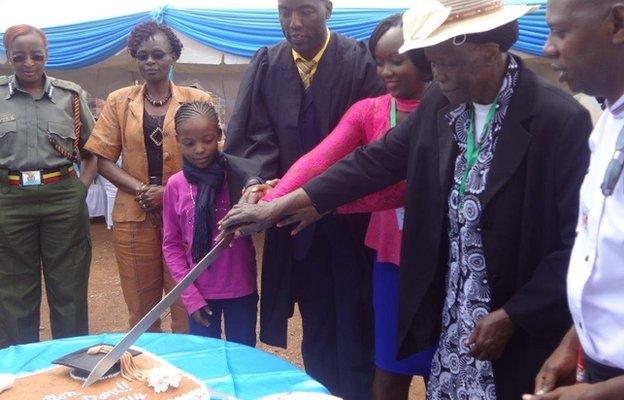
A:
[239,171]
[264,126]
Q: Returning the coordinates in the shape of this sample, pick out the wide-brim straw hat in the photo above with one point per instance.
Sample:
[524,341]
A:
[436,21]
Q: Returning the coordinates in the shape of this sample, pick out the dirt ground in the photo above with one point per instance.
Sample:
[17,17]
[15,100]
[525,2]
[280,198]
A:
[107,310]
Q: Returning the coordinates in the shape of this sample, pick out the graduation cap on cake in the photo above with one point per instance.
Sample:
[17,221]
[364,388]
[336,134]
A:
[84,360]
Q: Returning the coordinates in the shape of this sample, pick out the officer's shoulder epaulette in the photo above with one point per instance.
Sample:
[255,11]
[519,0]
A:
[67,85]
[4,80]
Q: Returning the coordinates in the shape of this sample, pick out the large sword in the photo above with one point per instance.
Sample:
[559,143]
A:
[115,354]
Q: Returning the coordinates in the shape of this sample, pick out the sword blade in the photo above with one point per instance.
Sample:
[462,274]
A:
[115,354]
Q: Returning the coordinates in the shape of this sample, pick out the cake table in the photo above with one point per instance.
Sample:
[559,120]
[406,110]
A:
[235,369]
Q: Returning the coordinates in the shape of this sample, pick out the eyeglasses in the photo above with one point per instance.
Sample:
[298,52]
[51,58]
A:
[157,56]
[20,58]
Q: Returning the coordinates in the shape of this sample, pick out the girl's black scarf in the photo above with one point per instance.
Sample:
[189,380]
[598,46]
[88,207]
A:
[209,181]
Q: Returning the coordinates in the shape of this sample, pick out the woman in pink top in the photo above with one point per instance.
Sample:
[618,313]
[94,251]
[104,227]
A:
[194,199]
[406,77]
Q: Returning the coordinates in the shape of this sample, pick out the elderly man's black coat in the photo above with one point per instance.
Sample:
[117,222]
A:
[265,127]
[528,224]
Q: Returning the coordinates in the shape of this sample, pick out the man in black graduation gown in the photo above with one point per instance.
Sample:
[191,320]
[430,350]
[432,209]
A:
[293,94]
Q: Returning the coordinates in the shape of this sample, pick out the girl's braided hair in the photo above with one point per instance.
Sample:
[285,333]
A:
[196,108]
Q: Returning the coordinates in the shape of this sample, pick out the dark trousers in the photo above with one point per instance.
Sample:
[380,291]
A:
[334,295]
[43,229]
[597,372]
[239,317]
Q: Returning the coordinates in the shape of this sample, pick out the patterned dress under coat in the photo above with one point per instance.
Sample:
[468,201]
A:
[454,373]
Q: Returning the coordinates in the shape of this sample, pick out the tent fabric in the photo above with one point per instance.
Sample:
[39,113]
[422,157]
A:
[233,31]
[244,31]
[533,32]
[87,43]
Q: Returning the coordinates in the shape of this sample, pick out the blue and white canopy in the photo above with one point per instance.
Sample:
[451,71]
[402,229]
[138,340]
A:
[85,33]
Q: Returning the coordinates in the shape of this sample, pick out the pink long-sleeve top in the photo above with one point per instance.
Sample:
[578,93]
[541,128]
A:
[232,275]
[366,121]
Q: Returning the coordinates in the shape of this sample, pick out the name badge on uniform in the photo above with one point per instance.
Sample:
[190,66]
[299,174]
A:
[31,178]
[7,118]
[400,213]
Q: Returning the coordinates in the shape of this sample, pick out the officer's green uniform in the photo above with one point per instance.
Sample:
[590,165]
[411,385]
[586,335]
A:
[42,227]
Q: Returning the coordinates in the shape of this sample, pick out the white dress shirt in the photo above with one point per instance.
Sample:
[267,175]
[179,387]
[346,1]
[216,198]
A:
[596,274]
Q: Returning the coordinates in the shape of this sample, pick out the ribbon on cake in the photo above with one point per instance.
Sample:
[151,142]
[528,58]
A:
[159,378]
[129,370]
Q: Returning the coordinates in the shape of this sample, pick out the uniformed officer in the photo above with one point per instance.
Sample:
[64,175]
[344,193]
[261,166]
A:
[44,222]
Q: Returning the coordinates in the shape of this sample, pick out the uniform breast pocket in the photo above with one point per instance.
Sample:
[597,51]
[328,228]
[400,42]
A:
[61,136]
[61,130]
[8,138]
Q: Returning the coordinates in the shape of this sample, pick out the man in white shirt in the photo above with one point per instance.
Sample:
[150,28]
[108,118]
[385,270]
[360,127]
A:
[586,45]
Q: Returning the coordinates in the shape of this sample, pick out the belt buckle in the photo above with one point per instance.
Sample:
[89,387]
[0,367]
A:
[31,178]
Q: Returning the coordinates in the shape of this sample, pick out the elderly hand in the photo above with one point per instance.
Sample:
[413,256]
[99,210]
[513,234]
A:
[150,197]
[611,389]
[246,219]
[302,217]
[581,391]
[489,338]
[254,193]
[560,368]
[200,315]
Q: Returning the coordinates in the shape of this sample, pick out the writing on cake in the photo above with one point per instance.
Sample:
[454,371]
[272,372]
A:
[121,388]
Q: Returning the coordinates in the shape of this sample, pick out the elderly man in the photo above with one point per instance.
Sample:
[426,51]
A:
[586,45]
[292,96]
[494,158]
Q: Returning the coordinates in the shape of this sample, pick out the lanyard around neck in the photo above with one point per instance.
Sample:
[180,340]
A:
[393,113]
[472,150]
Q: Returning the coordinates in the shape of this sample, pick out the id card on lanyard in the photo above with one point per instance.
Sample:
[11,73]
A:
[400,212]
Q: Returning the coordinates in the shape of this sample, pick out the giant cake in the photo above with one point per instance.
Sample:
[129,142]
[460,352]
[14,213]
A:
[149,378]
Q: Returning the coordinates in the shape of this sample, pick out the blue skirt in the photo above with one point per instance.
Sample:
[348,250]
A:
[386,305]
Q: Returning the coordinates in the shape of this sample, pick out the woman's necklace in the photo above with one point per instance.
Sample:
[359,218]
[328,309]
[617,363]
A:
[191,215]
[193,198]
[154,102]
[191,193]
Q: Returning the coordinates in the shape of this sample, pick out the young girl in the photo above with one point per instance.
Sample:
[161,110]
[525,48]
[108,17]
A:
[194,200]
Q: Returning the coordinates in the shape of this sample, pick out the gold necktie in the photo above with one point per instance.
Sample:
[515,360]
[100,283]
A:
[305,68]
